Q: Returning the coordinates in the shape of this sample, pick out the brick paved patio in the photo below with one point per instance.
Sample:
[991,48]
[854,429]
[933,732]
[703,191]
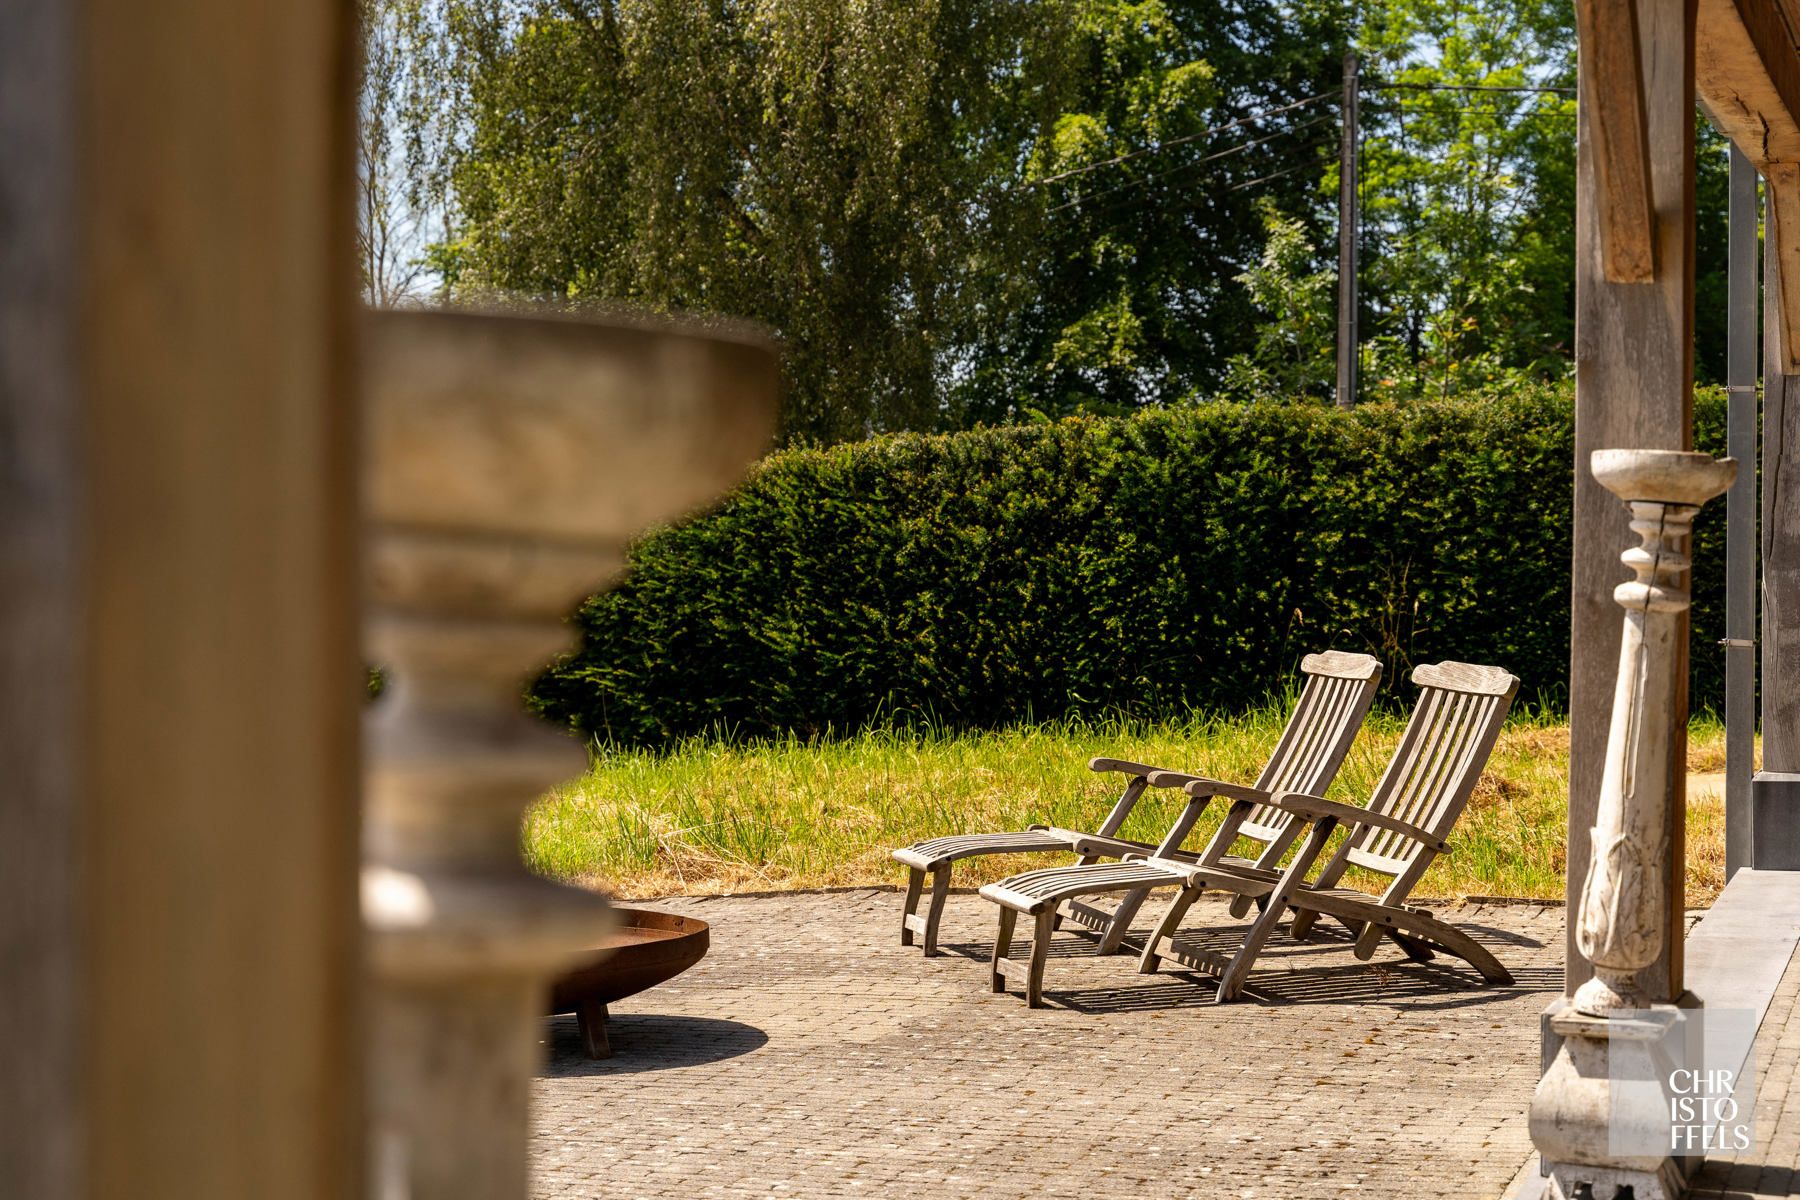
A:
[810,1055]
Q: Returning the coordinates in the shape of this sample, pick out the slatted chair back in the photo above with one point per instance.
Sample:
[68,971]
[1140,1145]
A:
[1336,696]
[1448,739]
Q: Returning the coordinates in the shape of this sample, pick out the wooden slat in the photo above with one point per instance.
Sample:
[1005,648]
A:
[1278,768]
[1613,94]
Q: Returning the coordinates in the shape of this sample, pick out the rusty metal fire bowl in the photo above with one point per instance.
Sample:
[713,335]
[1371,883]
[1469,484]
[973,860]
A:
[646,949]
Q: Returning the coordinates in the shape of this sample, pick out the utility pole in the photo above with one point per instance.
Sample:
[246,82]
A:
[1346,326]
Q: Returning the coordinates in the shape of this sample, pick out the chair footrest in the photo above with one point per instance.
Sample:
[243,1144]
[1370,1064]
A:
[1209,963]
[1090,915]
[1012,970]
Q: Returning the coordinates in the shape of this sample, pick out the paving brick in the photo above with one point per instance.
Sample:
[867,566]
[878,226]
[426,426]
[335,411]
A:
[810,1055]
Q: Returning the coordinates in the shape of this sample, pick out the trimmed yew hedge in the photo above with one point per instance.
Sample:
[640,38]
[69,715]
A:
[1182,558]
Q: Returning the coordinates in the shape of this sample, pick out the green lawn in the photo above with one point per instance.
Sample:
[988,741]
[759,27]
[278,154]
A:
[709,816]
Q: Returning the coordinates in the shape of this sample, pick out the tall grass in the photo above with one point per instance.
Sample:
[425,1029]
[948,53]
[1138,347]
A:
[712,815]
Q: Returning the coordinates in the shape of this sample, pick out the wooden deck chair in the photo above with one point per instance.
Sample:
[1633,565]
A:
[1338,690]
[1441,755]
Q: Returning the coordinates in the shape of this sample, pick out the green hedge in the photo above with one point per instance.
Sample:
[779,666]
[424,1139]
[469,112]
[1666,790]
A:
[1180,558]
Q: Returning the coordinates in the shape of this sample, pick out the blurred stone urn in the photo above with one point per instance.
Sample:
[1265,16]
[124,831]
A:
[509,459]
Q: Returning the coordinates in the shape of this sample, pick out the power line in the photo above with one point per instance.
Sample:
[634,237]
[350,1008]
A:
[1226,153]
[1099,217]
[1522,113]
[1238,187]
[1464,87]
[1184,139]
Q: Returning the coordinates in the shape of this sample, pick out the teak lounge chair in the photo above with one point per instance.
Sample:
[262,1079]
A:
[1446,745]
[1329,711]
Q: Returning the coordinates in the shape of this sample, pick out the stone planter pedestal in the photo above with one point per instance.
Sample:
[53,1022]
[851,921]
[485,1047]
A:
[509,460]
[1606,1079]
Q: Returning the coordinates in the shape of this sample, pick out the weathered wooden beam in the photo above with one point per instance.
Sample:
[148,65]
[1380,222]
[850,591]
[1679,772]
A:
[1782,186]
[1633,388]
[1747,74]
[1612,93]
[218,743]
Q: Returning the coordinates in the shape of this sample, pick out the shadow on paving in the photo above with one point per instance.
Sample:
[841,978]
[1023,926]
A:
[1320,970]
[648,1042]
[1717,1182]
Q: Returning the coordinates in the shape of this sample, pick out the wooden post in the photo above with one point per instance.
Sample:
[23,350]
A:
[1347,230]
[1633,387]
[178,845]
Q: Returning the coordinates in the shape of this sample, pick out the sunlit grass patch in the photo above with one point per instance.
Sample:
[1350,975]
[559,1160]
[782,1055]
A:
[710,815]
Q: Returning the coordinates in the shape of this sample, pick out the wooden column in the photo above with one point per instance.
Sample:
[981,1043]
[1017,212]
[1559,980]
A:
[178,845]
[1634,388]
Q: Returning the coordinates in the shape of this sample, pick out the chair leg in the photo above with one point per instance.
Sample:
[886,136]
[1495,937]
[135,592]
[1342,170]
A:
[934,911]
[1232,981]
[590,1015]
[1002,946]
[915,884]
[1114,937]
[1149,959]
[1454,941]
[1303,923]
[1040,952]
[1412,947]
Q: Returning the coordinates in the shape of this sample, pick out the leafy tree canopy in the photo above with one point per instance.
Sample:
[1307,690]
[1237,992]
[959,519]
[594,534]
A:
[952,210]
[964,211]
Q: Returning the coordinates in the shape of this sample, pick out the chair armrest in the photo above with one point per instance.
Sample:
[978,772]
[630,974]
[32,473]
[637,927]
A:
[1315,807]
[1200,785]
[1125,765]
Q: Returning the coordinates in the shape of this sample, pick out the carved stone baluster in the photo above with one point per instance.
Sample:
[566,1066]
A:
[1603,1080]
[510,459]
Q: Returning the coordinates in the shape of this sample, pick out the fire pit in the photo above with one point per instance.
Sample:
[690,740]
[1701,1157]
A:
[646,949]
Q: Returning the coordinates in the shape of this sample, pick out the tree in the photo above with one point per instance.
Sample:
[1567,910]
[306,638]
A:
[1468,197]
[390,234]
[1178,121]
[1467,192]
[1295,352]
[951,211]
